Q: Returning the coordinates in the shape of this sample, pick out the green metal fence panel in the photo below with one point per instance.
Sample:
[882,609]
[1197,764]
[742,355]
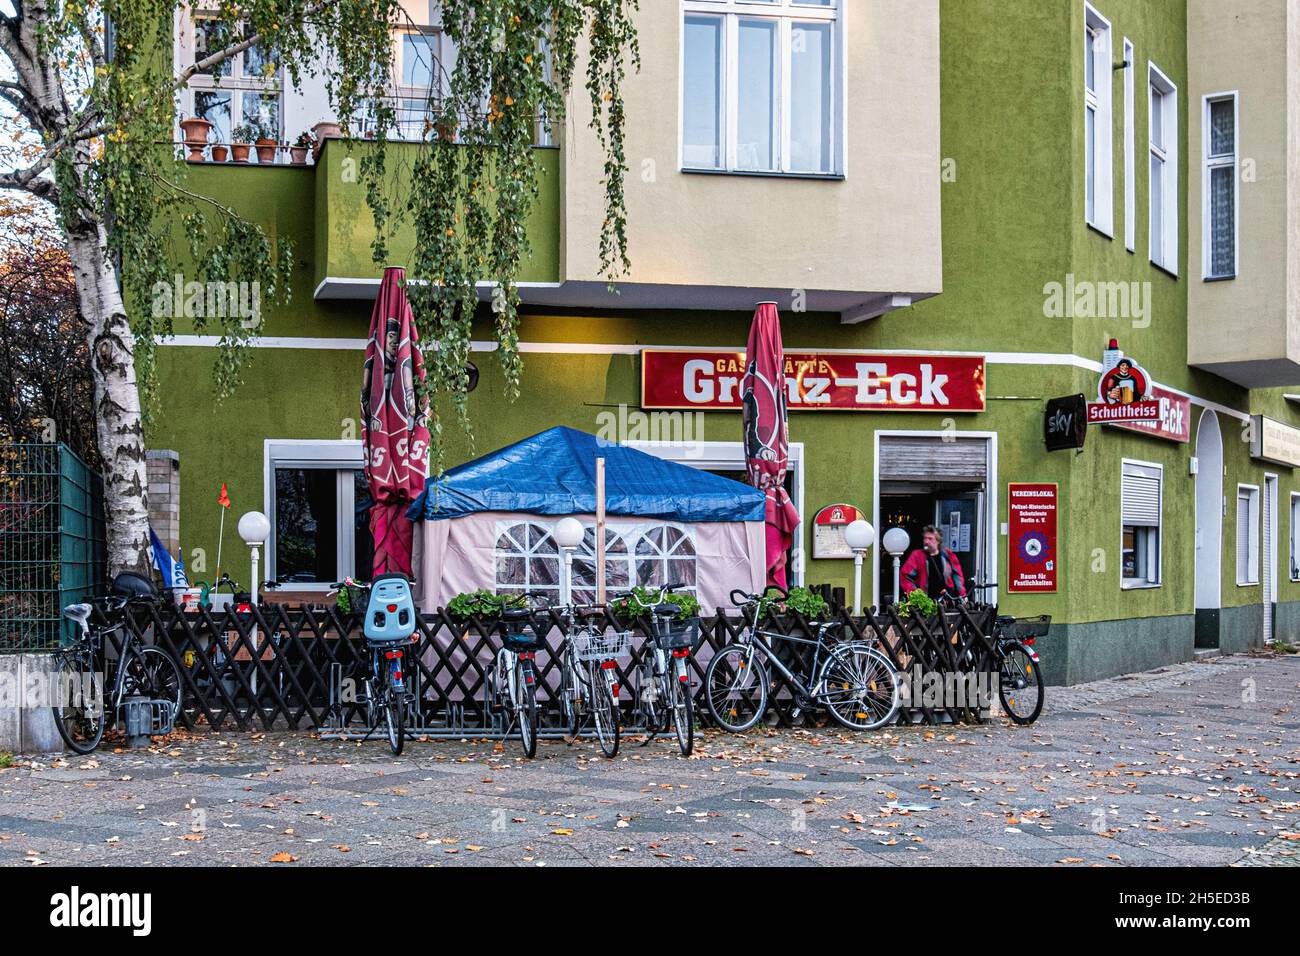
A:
[51,541]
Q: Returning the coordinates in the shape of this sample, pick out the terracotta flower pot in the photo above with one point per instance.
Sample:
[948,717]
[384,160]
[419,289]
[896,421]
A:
[298,155]
[266,150]
[239,152]
[196,132]
[326,129]
[219,153]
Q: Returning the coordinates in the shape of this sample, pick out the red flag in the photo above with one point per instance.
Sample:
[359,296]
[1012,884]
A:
[223,499]
[767,434]
[394,423]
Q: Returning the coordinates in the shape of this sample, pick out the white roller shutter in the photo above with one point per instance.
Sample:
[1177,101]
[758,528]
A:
[1140,496]
[1247,535]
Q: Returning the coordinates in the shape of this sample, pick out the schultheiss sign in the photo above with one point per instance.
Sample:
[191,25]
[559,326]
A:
[703,379]
[1123,391]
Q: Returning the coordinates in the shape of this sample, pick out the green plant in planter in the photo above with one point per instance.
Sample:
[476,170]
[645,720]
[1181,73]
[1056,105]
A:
[688,606]
[802,600]
[245,134]
[918,603]
[483,603]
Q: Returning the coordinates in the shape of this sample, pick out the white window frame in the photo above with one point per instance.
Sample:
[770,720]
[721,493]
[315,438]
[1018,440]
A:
[237,84]
[1293,573]
[1166,243]
[785,13]
[1130,150]
[1155,554]
[1211,163]
[336,455]
[1252,495]
[1099,101]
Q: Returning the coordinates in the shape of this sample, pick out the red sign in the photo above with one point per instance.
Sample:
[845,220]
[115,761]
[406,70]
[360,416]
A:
[818,381]
[1032,557]
[1142,410]
[1175,421]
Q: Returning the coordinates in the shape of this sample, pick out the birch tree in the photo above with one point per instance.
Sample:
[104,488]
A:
[88,102]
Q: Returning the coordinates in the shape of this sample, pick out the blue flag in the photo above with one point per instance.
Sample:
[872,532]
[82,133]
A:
[171,569]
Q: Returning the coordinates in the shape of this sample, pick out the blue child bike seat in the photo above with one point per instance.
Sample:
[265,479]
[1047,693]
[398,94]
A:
[390,614]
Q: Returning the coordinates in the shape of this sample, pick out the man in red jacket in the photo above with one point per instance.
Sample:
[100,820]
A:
[932,568]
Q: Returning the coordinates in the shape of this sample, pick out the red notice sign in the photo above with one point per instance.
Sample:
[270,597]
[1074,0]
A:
[1175,421]
[1032,557]
[818,381]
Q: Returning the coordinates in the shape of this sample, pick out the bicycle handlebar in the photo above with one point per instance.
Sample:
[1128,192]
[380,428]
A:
[746,598]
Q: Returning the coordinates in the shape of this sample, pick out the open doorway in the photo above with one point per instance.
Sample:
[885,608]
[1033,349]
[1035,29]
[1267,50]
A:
[941,479]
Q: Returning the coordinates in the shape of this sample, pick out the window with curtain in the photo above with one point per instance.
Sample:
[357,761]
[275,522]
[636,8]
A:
[1141,506]
[1220,214]
[1247,534]
[760,86]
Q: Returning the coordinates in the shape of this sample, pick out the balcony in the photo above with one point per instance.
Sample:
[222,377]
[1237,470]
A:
[344,228]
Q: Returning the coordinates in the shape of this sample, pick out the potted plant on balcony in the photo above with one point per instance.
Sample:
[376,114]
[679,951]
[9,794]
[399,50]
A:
[241,141]
[325,129]
[196,130]
[219,152]
[298,151]
[266,144]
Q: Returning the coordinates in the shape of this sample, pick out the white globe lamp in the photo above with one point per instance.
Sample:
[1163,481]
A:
[896,542]
[859,536]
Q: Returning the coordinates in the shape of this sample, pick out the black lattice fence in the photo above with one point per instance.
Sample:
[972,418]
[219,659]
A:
[51,541]
[291,668]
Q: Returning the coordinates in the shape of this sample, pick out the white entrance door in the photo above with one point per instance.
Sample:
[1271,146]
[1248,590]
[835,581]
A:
[1209,511]
[1268,575]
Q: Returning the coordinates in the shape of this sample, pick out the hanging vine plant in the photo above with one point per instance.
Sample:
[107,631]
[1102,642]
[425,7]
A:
[476,179]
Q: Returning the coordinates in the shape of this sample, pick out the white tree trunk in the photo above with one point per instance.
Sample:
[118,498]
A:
[118,422]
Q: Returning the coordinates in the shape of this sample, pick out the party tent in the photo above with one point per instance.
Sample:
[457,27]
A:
[488,523]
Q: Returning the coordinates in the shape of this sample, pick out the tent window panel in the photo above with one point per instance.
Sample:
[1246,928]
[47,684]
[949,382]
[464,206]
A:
[666,555]
[617,571]
[526,559]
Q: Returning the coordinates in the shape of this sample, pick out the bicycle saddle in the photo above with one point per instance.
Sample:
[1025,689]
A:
[78,612]
[664,609]
[515,614]
[131,585]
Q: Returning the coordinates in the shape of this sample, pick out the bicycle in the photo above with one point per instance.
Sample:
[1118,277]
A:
[389,621]
[510,685]
[80,711]
[853,680]
[1020,678]
[663,690]
[587,661]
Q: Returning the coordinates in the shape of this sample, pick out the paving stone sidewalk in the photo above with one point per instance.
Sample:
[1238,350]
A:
[1196,764]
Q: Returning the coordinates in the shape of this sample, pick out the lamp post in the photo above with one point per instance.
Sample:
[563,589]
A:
[896,542]
[859,536]
[254,528]
[568,535]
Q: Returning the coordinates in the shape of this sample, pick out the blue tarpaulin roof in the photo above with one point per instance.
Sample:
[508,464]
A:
[554,473]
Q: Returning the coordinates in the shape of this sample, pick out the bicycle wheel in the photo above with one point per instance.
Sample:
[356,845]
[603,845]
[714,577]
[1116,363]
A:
[79,705]
[527,709]
[649,698]
[859,686]
[152,673]
[604,708]
[683,709]
[736,686]
[394,717]
[1020,684]
[569,697]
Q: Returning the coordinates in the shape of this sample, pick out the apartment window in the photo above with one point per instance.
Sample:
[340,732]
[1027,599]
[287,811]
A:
[1098,199]
[1130,152]
[319,503]
[1141,494]
[1295,536]
[1163,130]
[1219,217]
[761,88]
[242,90]
[1247,534]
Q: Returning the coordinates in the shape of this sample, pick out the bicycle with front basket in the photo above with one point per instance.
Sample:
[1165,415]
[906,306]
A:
[81,709]
[663,680]
[852,680]
[589,675]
